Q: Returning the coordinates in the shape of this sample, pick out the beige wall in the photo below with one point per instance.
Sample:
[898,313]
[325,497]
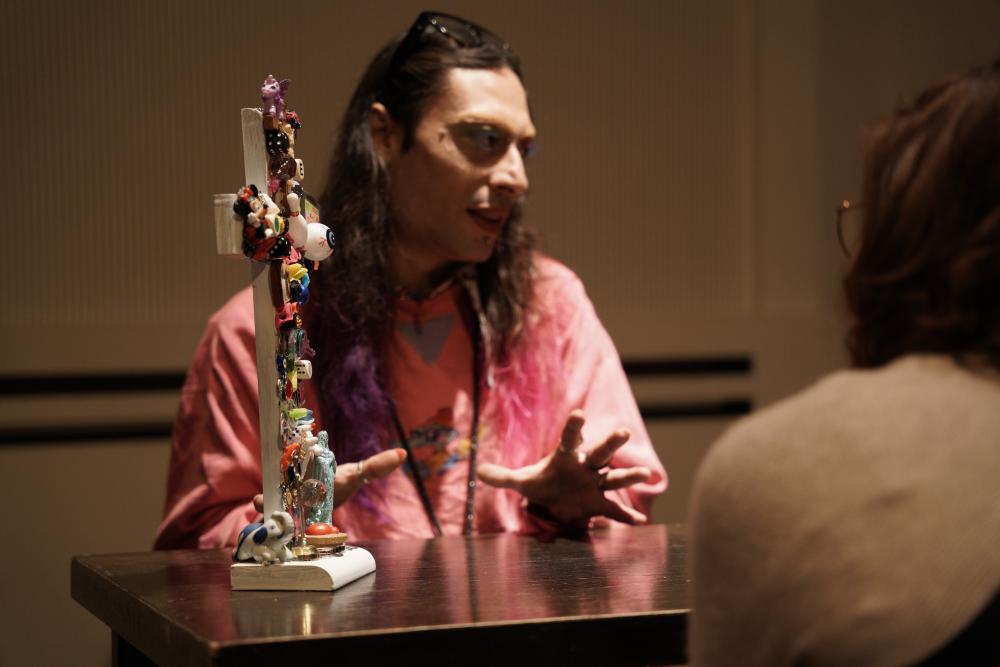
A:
[691,157]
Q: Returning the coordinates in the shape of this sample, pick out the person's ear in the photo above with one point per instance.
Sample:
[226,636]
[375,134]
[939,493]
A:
[387,135]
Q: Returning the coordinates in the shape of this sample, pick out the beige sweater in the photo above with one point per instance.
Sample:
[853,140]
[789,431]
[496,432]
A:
[856,523]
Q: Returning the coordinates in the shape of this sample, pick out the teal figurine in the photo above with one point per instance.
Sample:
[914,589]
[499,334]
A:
[324,469]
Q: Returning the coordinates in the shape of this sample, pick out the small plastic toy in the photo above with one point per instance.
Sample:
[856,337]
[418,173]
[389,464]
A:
[272,96]
[322,473]
[326,538]
[267,542]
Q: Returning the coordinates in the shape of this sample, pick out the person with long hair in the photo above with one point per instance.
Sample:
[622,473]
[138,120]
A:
[445,342]
[856,523]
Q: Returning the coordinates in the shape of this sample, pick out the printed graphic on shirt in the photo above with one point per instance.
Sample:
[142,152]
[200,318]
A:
[437,445]
[428,337]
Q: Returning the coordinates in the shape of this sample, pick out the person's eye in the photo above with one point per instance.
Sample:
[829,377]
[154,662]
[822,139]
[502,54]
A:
[490,140]
[483,139]
[527,148]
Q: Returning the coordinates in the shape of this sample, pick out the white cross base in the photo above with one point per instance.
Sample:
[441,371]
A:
[324,574]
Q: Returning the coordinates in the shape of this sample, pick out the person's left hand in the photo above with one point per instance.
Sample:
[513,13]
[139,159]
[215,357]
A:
[570,482]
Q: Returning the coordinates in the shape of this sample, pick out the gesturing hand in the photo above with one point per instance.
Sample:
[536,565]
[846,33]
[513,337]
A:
[351,476]
[569,482]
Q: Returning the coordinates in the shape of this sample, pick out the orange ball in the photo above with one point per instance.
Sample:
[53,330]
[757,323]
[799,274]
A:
[321,529]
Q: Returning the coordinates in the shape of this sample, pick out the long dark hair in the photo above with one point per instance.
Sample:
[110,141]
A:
[926,276]
[350,316]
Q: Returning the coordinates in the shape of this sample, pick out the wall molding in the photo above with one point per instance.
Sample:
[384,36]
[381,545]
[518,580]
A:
[663,368]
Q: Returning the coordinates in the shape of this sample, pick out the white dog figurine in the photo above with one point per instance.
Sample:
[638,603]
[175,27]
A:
[266,542]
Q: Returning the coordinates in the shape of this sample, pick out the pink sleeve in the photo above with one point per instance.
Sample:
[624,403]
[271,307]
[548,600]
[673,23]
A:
[596,383]
[215,456]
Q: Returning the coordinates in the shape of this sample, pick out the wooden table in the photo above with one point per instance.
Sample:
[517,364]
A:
[619,597]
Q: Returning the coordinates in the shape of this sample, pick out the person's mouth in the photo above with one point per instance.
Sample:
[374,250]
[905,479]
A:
[489,219]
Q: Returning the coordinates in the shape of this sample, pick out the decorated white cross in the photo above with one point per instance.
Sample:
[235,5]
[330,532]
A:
[274,223]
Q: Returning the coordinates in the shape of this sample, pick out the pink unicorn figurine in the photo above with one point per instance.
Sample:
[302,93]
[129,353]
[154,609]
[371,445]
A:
[272,96]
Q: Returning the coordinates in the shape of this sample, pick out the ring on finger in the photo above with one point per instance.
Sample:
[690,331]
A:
[361,472]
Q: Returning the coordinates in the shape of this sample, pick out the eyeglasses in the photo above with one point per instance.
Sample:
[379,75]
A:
[849,227]
[483,141]
[462,33]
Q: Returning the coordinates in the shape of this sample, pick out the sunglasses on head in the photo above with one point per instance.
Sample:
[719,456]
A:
[463,34]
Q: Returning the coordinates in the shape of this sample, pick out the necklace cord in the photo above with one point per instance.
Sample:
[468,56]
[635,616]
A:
[415,476]
[470,491]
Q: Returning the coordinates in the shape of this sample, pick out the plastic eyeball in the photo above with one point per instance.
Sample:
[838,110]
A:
[319,245]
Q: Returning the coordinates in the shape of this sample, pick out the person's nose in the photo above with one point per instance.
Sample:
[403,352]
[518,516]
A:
[509,175]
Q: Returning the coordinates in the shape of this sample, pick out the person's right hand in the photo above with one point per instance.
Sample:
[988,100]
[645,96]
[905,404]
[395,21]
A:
[352,476]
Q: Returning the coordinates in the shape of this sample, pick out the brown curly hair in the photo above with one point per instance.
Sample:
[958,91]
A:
[926,275]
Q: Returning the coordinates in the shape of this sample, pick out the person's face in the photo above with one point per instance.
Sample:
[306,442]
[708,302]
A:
[452,191]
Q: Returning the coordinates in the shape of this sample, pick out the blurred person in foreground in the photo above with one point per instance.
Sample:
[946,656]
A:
[857,522]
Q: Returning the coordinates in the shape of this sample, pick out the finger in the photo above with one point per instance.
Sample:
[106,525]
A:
[258,502]
[499,476]
[383,463]
[600,455]
[619,512]
[351,476]
[571,434]
[619,478]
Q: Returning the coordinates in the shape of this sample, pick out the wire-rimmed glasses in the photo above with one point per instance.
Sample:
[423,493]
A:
[849,226]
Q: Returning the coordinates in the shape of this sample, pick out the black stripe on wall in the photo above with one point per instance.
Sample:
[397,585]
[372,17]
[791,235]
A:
[21,385]
[85,433]
[24,385]
[157,430]
[730,407]
[729,365]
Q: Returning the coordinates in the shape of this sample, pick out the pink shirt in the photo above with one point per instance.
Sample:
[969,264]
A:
[215,456]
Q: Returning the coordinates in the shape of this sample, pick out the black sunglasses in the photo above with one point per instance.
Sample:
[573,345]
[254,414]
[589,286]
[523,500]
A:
[464,34]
